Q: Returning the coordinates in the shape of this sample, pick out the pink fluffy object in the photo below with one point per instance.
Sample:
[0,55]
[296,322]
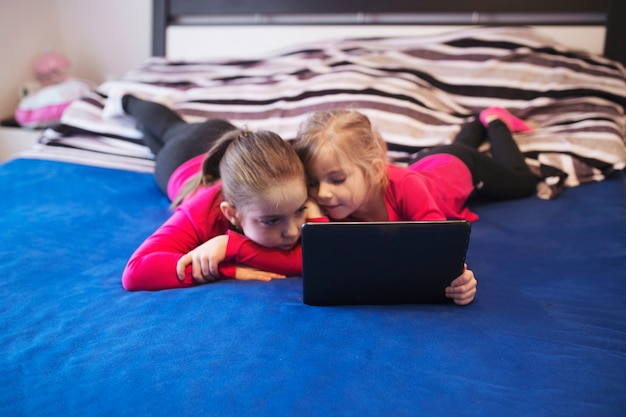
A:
[44,107]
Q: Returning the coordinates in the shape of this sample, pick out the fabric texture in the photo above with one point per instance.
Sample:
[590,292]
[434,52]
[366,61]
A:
[545,335]
[418,91]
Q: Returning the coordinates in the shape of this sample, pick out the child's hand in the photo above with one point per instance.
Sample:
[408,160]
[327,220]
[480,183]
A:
[463,289]
[204,260]
[246,273]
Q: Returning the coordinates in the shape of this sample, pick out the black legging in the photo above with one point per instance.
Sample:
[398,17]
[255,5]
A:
[172,140]
[503,176]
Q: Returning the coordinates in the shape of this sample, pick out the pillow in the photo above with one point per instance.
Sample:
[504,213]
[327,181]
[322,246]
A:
[44,107]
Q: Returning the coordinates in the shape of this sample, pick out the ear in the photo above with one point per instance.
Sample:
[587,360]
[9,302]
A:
[230,212]
[380,169]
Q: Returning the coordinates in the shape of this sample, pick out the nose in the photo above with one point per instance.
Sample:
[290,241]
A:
[292,229]
[323,191]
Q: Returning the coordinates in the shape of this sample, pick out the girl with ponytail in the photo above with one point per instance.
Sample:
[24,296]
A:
[234,194]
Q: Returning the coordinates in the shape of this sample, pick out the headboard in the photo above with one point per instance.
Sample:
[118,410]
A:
[608,13]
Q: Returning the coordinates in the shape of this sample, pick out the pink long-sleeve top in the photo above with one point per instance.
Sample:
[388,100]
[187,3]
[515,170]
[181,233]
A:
[434,188]
[153,265]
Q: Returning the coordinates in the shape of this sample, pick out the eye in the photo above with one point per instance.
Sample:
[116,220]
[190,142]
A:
[270,222]
[337,180]
[301,211]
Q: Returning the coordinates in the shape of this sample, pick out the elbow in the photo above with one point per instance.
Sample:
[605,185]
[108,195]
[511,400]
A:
[131,276]
[128,282]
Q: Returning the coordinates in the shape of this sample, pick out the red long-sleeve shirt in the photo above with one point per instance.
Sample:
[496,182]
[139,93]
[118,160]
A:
[153,265]
[434,188]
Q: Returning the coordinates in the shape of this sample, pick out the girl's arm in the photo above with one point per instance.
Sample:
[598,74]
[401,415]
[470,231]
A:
[242,250]
[207,263]
[238,249]
[153,265]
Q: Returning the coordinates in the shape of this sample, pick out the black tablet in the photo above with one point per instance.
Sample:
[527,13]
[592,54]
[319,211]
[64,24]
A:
[346,263]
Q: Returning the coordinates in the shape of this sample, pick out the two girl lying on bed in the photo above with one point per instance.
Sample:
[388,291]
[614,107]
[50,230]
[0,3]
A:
[267,200]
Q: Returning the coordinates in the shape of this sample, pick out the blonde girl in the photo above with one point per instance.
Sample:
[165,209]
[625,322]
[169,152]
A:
[350,179]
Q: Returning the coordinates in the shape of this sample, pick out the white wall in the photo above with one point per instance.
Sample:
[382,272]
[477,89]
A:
[26,28]
[104,38]
[101,38]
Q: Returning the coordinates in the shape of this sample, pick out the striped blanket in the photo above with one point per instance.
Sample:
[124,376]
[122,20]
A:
[417,91]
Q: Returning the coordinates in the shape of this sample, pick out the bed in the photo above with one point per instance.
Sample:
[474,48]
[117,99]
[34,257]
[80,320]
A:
[545,336]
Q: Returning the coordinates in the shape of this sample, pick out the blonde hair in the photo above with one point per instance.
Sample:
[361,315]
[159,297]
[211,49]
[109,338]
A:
[248,164]
[350,135]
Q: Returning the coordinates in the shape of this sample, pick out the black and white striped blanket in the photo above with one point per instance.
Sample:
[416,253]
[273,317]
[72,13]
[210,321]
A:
[417,91]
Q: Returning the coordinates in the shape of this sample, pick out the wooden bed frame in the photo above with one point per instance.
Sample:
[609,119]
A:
[608,13]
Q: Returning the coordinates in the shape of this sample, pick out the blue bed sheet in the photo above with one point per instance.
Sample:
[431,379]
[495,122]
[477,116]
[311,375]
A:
[545,336]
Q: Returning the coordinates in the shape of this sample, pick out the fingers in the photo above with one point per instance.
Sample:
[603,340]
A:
[213,268]
[272,276]
[464,300]
[461,295]
[246,273]
[181,265]
[202,270]
[260,276]
[463,289]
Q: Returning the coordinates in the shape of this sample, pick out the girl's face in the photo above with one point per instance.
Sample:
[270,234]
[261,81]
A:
[338,185]
[276,220]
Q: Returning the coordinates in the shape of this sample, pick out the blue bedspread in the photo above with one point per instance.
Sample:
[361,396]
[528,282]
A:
[546,335]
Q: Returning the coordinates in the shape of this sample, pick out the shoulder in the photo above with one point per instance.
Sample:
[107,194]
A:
[202,211]
[183,173]
[400,177]
[395,170]
[203,202]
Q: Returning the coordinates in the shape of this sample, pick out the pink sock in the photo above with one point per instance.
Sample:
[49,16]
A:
[513,123]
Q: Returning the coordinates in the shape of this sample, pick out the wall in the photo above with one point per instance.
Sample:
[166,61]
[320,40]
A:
[26,28]
[102,39]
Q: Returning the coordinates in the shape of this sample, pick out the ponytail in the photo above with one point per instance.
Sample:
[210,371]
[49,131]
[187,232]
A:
[210,167]
[248,164]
